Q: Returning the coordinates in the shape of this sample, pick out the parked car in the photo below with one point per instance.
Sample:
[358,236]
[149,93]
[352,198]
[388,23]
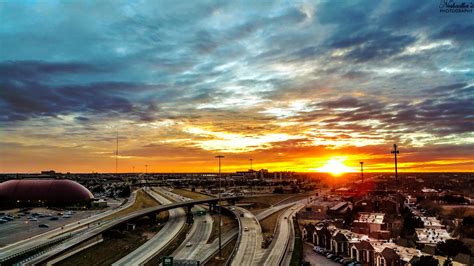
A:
[189,244]
[246,229]
[330,256]
[346,261]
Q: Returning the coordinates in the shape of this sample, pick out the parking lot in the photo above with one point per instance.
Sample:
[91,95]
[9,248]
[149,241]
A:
[315,259]
[26,225]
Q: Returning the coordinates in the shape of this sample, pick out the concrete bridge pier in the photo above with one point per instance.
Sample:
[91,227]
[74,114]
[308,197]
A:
[212,208]
[152,216]
[189,214]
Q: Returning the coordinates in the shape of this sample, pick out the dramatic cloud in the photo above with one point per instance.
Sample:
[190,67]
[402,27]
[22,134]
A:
[289,84]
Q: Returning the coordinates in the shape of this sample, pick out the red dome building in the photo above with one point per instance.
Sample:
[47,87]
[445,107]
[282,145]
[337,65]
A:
[43,192]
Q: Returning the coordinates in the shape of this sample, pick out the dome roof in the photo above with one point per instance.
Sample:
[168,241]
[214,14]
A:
[50,190]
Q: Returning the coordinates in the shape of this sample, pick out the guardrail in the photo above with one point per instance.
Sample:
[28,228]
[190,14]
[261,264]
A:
[239,237]
[223,243]
[44,246]
[290,221]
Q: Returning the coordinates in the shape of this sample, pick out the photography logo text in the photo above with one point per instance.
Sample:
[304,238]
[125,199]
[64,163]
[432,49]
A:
[451,6]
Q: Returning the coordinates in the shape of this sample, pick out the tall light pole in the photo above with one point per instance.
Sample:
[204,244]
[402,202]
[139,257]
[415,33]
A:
[362,171]
[395,152]
[251,160]
[219,157]
[146,169]
[116,155]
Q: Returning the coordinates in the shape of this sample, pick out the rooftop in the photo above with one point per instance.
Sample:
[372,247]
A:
[370,217]
[432,235]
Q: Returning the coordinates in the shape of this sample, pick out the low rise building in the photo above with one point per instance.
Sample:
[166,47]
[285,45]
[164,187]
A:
[431,236]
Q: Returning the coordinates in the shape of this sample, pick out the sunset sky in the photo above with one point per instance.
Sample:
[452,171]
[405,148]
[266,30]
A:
[291,84]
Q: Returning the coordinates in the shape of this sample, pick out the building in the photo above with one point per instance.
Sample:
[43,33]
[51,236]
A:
[372,224]
[43,192]
[431,222]
[363,251]
[431,236]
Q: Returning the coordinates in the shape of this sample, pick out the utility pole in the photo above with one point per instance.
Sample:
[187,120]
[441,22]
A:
[251,160]
[146,169]
[362,171]
[219,157]
[116,155]
[395,152]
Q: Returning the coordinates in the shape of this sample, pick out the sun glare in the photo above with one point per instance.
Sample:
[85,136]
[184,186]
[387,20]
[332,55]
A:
[335,166]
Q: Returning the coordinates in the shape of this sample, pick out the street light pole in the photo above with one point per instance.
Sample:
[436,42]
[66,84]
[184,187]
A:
[395,152]
[219,157]
[362,171]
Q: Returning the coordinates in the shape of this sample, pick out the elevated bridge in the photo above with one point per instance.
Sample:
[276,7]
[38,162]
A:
[96,232]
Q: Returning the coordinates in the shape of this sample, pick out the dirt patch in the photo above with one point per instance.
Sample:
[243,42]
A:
[117,243]
[190,194]
[268,226]
[229,222]
[173,245]
[142,201]
[458,211]
[226,252]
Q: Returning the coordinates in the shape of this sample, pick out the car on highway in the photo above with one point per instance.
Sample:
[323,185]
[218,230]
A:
[54,218]
[43,225]
[246,229]
[3,221]
[189,244]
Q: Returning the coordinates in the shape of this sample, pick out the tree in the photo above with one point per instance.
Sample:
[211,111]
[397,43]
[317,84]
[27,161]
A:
[410,222]
[125,192]
[278,190]
[452,247]
[426,261]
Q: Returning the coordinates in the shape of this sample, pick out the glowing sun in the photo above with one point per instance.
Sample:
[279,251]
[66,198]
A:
[335,166]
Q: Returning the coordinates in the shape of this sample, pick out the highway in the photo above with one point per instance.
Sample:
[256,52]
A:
[73,228]
[143,254]
[251,240]
[209,250]
[93,232]
[197,235]
[281,240]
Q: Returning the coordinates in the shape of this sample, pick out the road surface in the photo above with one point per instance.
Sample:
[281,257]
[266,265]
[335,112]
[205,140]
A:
[277,249]
[250,245]
[210,249]
[197,236]
[143,254]
[74,228]
[314,258]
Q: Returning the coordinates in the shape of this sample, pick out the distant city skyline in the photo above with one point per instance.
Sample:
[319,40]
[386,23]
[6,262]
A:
[295,86]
